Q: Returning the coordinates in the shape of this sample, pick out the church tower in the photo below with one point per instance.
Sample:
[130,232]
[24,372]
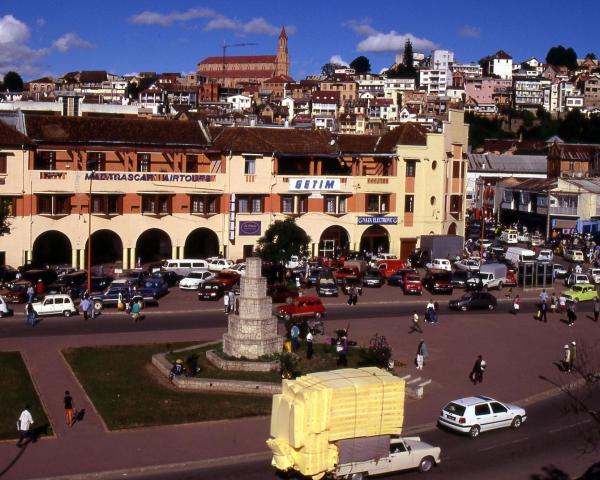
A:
[282,62]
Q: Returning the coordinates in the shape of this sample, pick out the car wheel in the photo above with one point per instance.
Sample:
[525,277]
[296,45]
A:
[491,307]
[463,308]
[98,306]
[500,285]
[287,317]
[474,432]
[517,422]
[426,464]
[318,315]
[358,476]
[67,313]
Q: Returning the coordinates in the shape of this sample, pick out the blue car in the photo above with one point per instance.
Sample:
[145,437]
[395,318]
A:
[154,287]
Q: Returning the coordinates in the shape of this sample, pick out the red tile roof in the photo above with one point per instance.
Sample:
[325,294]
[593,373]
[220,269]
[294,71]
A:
[580,152]
[501,54]
[94,130]
[239,59]
[357,143]
[405,134]
[9,137]
[240,74]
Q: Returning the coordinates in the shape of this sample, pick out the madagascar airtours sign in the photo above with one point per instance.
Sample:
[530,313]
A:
[149,177]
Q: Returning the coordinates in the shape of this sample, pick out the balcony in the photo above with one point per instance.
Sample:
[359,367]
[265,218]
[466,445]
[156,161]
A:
[563,210]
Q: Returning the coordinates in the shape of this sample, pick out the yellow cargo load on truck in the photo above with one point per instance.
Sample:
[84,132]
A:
[318,409]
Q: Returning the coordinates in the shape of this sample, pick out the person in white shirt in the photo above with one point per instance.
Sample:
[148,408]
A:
[24,425]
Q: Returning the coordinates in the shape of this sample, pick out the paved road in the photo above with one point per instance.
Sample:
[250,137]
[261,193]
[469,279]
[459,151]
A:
[549,437]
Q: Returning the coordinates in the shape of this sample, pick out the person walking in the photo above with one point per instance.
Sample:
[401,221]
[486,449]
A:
[543,296]
[39,288]
[596,308]
[24,425]
[516,305]
[430,314]
[571,315]
[573,350]
[476,375]
[567,364]
[231,295]
[30,314]
[30,293]
[136,308]
[84,307]
[342,350]
[226,303]
[415,327]
[544,312]
[309,344]
[553,303]
[562,302]
[421,354]
[68,401]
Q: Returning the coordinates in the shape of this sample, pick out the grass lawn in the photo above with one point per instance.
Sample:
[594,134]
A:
[17,390]
[325,358]
[129,392]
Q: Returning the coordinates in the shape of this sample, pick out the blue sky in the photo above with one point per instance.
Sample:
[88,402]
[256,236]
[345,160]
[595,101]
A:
[42,37]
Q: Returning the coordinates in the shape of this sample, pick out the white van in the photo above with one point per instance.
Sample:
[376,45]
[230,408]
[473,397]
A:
[184,266]
[518,255]
[510,236]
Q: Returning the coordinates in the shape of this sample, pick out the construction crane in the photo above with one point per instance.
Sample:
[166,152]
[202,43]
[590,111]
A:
[225,47]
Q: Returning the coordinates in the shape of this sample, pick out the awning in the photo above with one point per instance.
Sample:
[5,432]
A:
[566,224]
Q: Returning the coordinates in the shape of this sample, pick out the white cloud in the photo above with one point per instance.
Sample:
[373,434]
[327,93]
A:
[222,22]
[469,31]
[393,42]
[164,20]
[40,22]
[261,27]
[362,27]
[69,41]
[255,26]
[291,29]
[14,53]
[337,59]
[12,31]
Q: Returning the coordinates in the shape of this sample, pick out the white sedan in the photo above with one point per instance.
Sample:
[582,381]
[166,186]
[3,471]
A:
[195,279]
[220,264]
[473,415]
[487,243]
[239,268]
[467,265]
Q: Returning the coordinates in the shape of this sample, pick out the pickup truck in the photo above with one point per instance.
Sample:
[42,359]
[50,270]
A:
[403,454]
[491,275]
[110,297]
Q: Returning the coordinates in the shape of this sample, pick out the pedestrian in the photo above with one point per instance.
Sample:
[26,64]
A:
[578,269]
[294,335]
[543,296]
[415,327]
[562,302]
[567,364]
[516,305]
[226,303]
[84,307]
[553,303]
[231,295]
[430,312]
[30,293]
[68,401]
[92,310]
[309,344]
[571,315]
[544,312]
[24,425]
[573,350]
[342,351]
[476,375]
[136,308]
[596,308]
[39,288]
[30,314]
[421,354]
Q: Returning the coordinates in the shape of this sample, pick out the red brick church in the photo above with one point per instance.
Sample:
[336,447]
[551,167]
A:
[233,71]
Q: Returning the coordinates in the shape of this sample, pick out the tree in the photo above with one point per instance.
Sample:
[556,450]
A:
[590,56]
[13,82]
[361,64]
[329,68]
[407,68]
[282,240]
[561,56]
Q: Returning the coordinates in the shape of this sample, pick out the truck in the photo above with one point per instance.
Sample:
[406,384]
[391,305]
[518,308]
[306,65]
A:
[344,424]
[491,275]
[437,246]
[518,255]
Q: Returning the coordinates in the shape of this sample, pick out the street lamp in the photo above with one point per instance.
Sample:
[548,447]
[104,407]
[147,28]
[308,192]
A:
[90,165]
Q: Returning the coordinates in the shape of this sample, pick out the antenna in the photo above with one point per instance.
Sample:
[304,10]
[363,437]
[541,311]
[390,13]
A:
[225,47]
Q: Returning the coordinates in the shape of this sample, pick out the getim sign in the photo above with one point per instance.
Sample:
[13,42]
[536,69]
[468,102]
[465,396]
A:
[314,184]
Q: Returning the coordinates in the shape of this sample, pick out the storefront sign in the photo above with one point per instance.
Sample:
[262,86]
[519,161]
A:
[377,220]
[314,184]
[249,228]
[149,177]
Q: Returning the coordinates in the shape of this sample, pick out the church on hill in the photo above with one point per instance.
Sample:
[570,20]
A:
[233,71]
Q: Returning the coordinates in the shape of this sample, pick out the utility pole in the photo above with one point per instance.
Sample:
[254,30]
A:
[225,47]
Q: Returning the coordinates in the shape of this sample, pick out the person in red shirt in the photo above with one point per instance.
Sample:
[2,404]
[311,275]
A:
[39,287]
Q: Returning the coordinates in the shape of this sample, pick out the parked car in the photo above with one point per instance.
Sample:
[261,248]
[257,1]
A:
[327,286]
[576,279]
[313,276]
[47,276]
[154,287]
[373,278]
[5,311]
[439,264]
[537,241]
[110,297]
[559,270]
[239,268]
[582,292]
[594,275]
[474,301]
[281,293]
[523,237]
[211,290]
[195,279]
[468,264]
[575,256]
[438,281]
[220,264]
[473,415]
[183,266]
[545,255]
[397,278]
[16,291]
[227,279]
[170,277]
[459,278]
[293,262]
[411,284]
[307,306]
[54,305]
[343,273]
[483,241]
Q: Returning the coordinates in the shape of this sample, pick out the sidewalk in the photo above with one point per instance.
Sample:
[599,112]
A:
[521,350]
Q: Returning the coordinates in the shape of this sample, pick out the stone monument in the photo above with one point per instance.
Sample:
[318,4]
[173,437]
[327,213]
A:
[252,332]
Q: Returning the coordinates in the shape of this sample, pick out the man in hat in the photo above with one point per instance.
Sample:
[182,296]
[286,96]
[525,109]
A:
[177,369]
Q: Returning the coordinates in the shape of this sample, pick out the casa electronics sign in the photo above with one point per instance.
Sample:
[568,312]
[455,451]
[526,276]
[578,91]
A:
[314,184]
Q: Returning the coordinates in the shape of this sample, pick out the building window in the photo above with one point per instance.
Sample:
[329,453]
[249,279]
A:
[107,205]
[249,166]
[205,204]
[336,204]
[191,163]
[455,204]
[411,168]
[96,162]
[7,206]
[156,204]
[249,204]
[45,161]
[330,204]
[54,204]
[302,204]
[378,203]
[287,204]
[143,162]
[409,203]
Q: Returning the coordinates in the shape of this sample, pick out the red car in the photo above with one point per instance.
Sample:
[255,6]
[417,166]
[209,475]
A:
[227,279]
[343,273]
[412,284]
[307,306]
[280,293]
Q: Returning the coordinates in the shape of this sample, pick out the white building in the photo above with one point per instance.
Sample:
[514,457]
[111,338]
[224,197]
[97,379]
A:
[501,64]
[434,81]
[240,103]
[469,70]
[441,59]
